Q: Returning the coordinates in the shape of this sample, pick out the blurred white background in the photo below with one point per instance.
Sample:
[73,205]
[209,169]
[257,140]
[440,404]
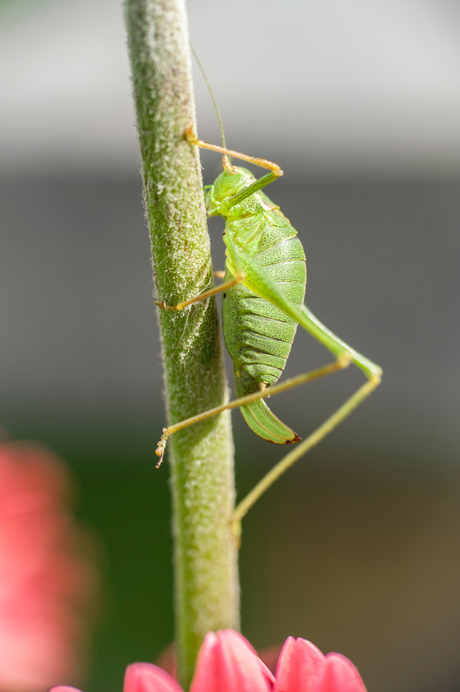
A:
[362,85]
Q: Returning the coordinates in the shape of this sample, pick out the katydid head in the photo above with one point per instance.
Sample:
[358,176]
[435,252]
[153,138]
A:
[229,183]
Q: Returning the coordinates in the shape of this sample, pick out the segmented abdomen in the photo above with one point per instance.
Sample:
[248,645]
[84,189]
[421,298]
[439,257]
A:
[258,335]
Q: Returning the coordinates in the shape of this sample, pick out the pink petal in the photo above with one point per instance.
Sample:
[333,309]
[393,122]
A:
[45,583]
[63,688]
[228,663]
[300,665]
[146,677]
[339,675]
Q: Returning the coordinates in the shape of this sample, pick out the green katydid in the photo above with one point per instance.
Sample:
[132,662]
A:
[263,293]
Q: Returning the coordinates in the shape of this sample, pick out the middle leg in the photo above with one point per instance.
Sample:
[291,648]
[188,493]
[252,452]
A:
[240,276]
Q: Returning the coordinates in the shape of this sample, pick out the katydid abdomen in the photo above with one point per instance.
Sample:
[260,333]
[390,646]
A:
[257,334]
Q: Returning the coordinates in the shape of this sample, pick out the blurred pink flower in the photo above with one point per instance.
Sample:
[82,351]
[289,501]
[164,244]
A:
[228,663]
[43,582]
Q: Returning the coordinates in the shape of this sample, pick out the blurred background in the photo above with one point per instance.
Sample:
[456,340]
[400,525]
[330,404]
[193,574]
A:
[358,547]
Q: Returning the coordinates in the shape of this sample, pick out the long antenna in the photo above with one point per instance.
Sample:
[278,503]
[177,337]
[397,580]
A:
[212,96]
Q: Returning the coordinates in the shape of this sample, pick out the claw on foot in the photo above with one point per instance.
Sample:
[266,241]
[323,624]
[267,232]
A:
[163,305]
[190,136]
[160,450]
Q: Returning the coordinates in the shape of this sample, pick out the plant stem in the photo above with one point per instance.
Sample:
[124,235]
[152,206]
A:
[205,559]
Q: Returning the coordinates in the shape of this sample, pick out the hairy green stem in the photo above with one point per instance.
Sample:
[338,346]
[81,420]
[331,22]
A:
[206,581]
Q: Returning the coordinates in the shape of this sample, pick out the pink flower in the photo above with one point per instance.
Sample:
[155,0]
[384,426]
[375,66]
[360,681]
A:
[302,667]
[43,582]
[228,663]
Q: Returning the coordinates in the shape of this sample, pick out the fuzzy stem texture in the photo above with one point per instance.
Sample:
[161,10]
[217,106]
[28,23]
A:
[206,580]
